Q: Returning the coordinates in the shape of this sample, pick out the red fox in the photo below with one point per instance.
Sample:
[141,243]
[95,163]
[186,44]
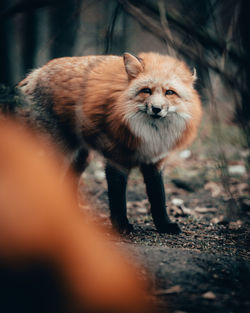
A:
[134,110]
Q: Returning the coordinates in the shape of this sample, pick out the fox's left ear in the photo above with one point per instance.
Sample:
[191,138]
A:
[133,65]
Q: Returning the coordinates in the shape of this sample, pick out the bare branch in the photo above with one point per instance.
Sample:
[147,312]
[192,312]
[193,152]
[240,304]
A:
[136,9]
[188,51]
[166,29]
[111,27]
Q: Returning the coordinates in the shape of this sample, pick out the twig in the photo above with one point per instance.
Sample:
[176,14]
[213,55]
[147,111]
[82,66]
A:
[166,29]
[111,27]
[204,38]
[223,162]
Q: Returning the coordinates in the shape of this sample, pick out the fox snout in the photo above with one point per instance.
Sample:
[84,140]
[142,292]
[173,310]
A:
[156,106]
[157,110]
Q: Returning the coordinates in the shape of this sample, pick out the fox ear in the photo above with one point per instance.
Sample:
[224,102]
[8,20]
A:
[133,64]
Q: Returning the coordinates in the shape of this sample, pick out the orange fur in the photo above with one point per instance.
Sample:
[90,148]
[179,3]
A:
[98,86]
[41,220]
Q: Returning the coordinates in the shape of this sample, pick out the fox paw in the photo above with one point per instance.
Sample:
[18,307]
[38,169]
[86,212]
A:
[122,227]
[169,228]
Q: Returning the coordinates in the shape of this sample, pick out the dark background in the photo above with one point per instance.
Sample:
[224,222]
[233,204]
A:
[212,35]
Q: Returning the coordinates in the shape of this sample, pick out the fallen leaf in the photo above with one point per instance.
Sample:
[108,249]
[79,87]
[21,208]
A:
[142,210]
[209,295]
[187,211]
[218,220]
[214,188]
[174,289]
[205,210]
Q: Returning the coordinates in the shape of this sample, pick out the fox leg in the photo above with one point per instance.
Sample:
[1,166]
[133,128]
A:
[77,166]
[117,184]
[80,161]
[156,194]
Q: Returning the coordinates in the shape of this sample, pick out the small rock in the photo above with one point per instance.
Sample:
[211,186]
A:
[141,210]
[237,169]
[209,295]
[177,201]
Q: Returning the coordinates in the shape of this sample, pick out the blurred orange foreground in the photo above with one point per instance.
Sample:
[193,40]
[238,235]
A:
[40,220]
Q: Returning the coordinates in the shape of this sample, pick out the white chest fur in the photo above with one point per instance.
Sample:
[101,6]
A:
[158,136]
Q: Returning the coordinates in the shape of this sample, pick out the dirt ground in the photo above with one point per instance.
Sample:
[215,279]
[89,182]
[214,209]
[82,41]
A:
[207,267]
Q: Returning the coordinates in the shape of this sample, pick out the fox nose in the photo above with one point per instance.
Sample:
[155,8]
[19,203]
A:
[156,110]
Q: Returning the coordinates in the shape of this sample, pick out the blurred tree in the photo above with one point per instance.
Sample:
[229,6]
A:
[243,111]
[5,76]
[29,42]
[63,25]
[116,30]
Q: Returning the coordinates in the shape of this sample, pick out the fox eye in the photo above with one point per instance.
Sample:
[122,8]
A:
[170,92]
[146,90]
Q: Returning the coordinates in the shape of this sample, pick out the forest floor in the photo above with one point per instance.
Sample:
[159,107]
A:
[207,267]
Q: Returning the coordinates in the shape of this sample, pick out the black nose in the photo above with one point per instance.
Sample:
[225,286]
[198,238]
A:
[156,110]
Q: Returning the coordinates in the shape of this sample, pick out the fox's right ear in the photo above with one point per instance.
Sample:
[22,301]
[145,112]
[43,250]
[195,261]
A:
[133,65]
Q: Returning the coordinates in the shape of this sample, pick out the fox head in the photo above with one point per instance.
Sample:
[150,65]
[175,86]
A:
[159,86]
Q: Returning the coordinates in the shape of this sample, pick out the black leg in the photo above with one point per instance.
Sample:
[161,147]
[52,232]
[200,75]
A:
[156,194]
[78,165]
[80,162]
[117,183]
